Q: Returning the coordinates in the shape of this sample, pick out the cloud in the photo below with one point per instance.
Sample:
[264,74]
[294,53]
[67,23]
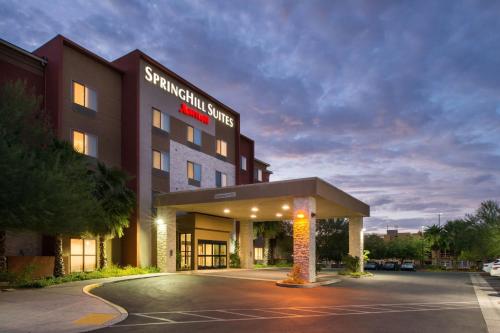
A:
[396,103]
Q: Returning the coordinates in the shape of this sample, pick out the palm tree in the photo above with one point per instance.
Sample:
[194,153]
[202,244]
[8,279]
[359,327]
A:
[117,201]
[267,230]
[434,235]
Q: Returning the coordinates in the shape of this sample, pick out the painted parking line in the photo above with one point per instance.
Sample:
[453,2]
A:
[230,315]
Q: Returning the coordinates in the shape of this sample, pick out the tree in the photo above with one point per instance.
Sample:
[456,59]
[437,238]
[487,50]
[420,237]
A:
[434,235]
[332,239]
[376,246]
[267,230]
[117,202]
[45,186]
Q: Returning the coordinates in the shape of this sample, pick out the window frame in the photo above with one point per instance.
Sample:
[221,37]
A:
[163,155]
[243,158]
[163,116]
[86,88]
[219,176]
[83,255]
[194,164]
[218,147]
[196,133]
[86,135]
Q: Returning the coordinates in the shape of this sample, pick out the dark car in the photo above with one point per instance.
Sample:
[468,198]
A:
[390,266]
[371,265]
[408,266]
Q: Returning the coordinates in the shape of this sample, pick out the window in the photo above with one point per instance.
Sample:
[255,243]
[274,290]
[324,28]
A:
[84,96]
[83,253]
[161,160]
[84,143]
[222,148]
[194,171]
[185,250]
[161,120]
[194,135]
[220,179]
[243,163]
[212,254]
[259,175]
[259,253]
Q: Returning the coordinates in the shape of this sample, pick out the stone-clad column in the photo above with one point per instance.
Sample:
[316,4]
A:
[304,237]
[356,239]
[166,239]
[246,244]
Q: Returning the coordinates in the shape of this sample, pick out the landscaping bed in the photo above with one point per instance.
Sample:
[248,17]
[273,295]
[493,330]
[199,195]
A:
[24,280]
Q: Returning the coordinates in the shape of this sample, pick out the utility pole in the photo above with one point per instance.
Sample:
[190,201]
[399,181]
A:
[439,219]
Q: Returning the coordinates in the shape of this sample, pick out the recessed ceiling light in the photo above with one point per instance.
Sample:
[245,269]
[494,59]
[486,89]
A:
[285,207]
[254,209]
[253,216]
[279,215]
[226,211]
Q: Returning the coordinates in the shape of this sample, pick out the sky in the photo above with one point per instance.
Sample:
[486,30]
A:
[394,102]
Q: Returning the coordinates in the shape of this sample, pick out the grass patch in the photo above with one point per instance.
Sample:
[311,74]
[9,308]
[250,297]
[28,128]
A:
[282,264]
[355,274]
[111,271]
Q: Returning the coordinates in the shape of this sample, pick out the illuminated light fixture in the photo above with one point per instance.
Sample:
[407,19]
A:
[300,215]
[279,215]
[159,221]
[226,211]
[254,209]
[285,207]
[253,216]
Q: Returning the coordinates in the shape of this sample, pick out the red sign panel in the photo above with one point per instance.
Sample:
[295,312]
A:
[203,118]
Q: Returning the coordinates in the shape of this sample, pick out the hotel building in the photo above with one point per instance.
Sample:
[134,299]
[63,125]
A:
[199,186]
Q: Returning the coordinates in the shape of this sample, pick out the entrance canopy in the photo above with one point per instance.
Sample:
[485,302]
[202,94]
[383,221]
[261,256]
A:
[266,201]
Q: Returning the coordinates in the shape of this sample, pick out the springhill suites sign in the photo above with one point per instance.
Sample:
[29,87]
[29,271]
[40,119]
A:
[187,96]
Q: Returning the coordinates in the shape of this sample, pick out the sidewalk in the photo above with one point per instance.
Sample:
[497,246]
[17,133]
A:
[61,308]
[487,293]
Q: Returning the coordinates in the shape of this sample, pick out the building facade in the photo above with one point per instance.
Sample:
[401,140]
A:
[198,185]
[136,114]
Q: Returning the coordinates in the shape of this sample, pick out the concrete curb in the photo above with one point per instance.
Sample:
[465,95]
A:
[307,285]
[123,313]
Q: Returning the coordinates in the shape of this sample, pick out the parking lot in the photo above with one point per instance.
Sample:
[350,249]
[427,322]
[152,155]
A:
[388,302]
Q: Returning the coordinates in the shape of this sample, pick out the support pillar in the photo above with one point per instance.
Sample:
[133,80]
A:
[166,224]
[246,244]
[356,240]
[304,237]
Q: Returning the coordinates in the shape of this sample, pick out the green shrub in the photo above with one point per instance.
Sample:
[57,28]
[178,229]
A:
[234,258]
[110,271]
[351,263]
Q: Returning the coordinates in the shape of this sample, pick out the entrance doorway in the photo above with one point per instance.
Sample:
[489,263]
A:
[185,251]
[212,254]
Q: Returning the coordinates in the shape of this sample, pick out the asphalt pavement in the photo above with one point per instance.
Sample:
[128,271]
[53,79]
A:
[389,302]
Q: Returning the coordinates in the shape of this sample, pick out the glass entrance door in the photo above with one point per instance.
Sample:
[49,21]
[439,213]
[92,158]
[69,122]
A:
[185,251]
[212,254]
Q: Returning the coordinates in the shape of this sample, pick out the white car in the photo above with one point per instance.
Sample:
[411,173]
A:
[487,266]
[495,268]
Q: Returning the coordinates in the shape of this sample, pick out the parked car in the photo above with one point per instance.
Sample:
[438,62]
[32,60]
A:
[487,266]
[390,266]
[408,266]
[495,268]
[371,265]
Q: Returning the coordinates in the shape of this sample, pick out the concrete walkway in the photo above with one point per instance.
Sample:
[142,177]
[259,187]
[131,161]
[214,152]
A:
[62,308]
[487,295]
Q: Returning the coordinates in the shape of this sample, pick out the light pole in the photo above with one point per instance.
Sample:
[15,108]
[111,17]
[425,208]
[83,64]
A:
[439,219]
